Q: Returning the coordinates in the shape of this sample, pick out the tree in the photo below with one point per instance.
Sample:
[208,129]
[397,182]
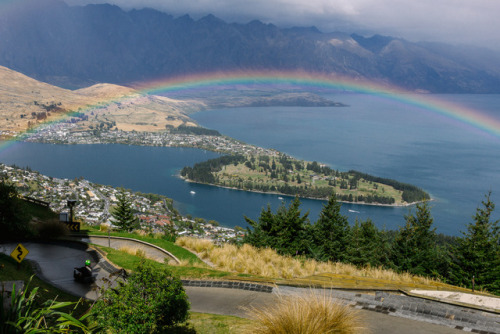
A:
[123,215]
[477,253]
[414,247]
[261,233]
[13,220]
[292,229]
[150,301]
[286,231]
[367,245]
[331,231]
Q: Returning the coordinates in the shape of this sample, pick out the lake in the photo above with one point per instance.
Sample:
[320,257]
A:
[457,164]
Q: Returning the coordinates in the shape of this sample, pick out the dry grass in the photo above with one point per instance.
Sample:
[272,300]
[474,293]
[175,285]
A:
[142,233]
[306,314]
[133,251]
[104,228]
[200,246]
[135,111]
[267,263]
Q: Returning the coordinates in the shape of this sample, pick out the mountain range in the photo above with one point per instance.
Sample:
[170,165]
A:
[77,46]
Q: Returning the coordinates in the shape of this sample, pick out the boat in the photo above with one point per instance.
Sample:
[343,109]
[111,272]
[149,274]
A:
[280,198]
[353,211]
[192,192]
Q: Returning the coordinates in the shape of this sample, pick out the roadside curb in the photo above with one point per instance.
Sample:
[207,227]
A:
[450,302]
[167,253]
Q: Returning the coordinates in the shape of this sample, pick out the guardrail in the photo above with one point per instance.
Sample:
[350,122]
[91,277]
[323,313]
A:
[35,201]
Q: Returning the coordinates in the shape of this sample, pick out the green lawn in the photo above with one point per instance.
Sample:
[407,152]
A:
[130,262]
[219,324]
[179,252]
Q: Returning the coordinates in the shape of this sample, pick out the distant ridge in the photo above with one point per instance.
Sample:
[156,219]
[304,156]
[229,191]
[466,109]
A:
[76,47]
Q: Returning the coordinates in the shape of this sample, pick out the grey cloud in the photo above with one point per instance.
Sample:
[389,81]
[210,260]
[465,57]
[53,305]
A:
[454,21]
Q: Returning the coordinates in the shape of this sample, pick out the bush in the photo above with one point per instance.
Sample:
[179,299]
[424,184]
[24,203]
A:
[13,218]
[305,314]
[24,313]
[150,301]
[51,229]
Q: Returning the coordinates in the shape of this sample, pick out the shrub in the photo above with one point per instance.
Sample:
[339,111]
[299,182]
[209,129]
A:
[150,301]
[13,218]
[51,229]
[23,314]
[306,314]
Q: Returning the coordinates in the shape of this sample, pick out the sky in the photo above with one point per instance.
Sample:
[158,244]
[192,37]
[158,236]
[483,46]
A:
[473,22]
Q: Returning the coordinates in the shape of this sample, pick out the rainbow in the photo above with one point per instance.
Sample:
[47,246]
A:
[307,82]
[313,81]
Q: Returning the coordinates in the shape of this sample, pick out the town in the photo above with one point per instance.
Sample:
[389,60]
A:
[67,133]
[155,213]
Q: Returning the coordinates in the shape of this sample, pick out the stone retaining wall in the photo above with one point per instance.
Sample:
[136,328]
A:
[229,285]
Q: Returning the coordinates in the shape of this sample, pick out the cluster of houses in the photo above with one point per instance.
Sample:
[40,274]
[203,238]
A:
[94,204]
[66,133]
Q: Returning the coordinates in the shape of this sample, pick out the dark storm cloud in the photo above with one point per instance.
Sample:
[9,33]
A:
[454,21]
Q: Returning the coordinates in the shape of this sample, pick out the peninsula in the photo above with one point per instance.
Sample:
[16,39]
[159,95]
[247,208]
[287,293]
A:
[282,174]
[32,111]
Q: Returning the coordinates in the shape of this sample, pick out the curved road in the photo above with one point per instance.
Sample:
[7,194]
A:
[56,263]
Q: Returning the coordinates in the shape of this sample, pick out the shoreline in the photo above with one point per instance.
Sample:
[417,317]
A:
[312,198]
[220,186]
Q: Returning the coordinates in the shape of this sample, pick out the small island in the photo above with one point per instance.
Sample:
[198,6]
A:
[282,174]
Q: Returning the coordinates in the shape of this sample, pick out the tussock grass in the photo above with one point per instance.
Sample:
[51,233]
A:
[266,262]
[311,313]
[200,246]
[141,233]
[134,251]
[103,227]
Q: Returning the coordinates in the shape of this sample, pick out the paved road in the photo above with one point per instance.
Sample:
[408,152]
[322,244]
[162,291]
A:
[56,264]
[231,301]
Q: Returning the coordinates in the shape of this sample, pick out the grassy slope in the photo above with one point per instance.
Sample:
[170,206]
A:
[179,252]
[197,269]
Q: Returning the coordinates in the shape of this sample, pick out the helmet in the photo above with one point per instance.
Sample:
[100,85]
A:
[87,262]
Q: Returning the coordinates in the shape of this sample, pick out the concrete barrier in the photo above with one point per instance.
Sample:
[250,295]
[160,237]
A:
[7,288]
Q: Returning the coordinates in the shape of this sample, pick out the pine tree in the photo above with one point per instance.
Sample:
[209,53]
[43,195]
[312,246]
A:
[292,229]
[123,215]
[366,246]
[286,231]
[331,231]
[260,233]
[477,253]
[414,248]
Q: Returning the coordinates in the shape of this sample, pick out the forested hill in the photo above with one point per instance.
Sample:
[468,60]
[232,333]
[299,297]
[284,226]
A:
[285,175]
[76,46]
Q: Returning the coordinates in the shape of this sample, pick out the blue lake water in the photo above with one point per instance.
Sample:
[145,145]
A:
[457,164]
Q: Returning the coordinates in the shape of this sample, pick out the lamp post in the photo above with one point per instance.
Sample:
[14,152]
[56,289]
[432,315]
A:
[71,204]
